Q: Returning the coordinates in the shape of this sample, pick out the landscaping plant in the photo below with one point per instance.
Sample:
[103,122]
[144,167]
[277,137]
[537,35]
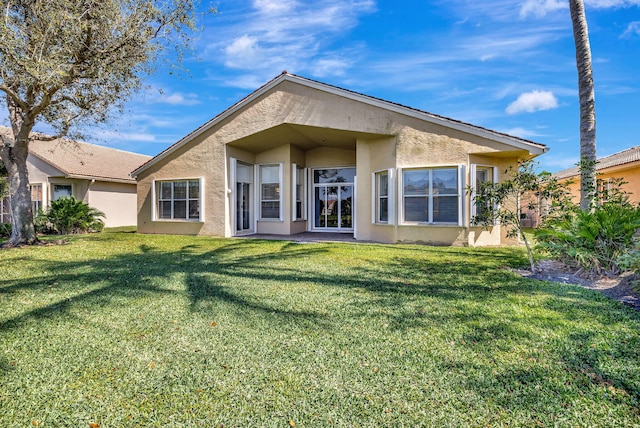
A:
[501,202]
[5,230]
[603,240]
[68,215]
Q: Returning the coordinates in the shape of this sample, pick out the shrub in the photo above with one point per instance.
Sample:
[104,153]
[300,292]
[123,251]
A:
[630,260]
[42,224]
[69,215]
[603,240]
[5,230]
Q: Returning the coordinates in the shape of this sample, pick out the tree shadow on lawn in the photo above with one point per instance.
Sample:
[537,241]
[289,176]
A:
[209,275]
[411,293]
[132,275]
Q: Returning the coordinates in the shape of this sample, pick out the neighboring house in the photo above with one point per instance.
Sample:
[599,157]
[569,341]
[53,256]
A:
[623,165]
[298,155]
[97,175]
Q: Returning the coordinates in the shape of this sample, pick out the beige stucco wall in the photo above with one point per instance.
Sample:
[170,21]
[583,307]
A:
[372,139]
[202,159]
[629,172]
[116,200]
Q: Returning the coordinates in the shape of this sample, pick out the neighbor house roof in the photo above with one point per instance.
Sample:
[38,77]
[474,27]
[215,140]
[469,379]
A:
[520,143]
[76,159]
[616,159]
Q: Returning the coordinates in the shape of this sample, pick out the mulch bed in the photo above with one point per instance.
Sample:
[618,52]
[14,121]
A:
[620,288]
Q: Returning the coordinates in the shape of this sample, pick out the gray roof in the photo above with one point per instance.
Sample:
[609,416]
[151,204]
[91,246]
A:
[616,159]
[76,159]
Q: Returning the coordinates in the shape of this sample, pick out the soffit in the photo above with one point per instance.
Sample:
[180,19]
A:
[302,136]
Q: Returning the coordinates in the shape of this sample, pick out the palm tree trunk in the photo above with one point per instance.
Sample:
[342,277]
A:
[587,105]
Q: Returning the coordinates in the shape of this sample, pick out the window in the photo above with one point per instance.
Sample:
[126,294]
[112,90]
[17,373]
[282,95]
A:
[178,200]
[36,198]
[270,192]
[299,191]
[479,176]
[382,197]
[604,188]
[62,191]
[5,210]
[431,195]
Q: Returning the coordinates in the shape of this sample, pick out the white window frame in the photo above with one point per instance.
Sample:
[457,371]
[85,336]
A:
[473,176]
[375,197]
[53,189]
[259,199]
[156,200]
[459,194]
[294,192]
[38,204]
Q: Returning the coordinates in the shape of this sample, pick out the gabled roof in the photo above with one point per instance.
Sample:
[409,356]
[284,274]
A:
[534,148]
[616,159]
[81,160]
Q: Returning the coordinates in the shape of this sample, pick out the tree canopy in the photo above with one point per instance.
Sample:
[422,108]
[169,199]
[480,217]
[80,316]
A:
[67,63]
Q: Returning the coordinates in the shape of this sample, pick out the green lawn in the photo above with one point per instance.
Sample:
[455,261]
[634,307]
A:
[120,329]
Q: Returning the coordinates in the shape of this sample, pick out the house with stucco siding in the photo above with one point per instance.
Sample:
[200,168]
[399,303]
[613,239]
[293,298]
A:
[298,155]
[624,165]
[97,175]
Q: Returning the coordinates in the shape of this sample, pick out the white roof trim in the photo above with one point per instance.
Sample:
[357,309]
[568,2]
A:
[387,105]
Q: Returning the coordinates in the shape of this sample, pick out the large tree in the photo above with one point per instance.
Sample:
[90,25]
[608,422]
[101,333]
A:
[587,105]
[68,63]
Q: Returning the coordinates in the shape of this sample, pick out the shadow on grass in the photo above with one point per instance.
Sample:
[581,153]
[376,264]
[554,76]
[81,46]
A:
[134,274]
[447,289]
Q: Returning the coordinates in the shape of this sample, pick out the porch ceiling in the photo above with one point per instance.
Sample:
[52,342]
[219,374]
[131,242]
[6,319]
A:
[302,136]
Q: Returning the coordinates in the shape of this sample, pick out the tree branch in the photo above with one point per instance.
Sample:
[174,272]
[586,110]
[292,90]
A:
[14,96]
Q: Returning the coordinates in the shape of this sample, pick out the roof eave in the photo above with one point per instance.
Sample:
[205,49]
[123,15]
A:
[97,178]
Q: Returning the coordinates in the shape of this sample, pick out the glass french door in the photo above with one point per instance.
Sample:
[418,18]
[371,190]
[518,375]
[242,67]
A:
[333,199]
[244,201]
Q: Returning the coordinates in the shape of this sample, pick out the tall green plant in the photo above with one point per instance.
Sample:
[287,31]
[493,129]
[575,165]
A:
[69,215]
[501,203]
[597,241]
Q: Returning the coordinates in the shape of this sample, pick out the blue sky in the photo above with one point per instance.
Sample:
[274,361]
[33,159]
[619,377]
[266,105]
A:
[505,65]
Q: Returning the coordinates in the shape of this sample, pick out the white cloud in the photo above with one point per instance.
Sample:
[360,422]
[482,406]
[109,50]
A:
[330,67]
[274,6]
[633,29]
[106,135]
[289,35]
[604,4]
[242,52]
[533,101]
[178,99]
[522,132]
[247,81]
[540,8]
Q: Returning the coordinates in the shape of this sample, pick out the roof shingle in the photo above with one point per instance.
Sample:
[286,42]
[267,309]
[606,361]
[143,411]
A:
[626,156]
[83,160]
